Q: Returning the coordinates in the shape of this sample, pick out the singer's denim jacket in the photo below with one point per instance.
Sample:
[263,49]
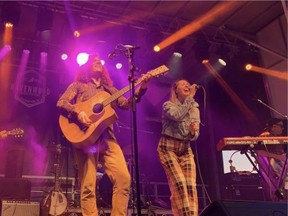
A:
[177,118]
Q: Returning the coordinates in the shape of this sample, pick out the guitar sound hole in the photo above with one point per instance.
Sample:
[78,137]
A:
[98,108]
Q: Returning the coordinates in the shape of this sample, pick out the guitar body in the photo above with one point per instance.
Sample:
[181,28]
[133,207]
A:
[56,203]
[81,136]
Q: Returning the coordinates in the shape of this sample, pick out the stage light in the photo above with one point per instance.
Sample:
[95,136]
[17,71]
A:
[248,67]
[43,54]
[118,66]
[76,34]
[26,51]
[64,56]
[8,25]
[223,55]
[82,58]
[102,62]
[274,73]
[156,48]
[178,48]
[177,54]
[222,61]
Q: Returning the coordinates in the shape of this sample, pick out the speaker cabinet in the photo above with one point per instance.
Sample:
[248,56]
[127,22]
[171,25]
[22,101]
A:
[14,163]
[247,208]
[19,208]
[242,187]
[15,189]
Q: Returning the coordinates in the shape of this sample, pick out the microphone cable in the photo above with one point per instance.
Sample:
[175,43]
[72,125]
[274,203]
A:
[204,104]
[200,172]
[196,144]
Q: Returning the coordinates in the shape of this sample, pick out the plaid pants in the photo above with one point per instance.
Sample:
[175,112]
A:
[178,162]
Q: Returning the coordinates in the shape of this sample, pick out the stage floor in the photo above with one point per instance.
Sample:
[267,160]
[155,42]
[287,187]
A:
[131,212]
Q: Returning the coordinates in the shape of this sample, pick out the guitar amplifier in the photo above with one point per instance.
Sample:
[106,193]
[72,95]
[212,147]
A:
[19,208]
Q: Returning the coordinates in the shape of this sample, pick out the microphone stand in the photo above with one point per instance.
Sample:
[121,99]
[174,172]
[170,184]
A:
[271,108]
[129,53]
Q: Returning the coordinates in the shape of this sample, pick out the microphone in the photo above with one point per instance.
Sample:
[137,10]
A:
[197,87]
[271,108]
[112,54]
[118,49]
[260,101]
[131,47]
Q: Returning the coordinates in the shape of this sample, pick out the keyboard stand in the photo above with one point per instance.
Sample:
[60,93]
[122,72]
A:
[278,192]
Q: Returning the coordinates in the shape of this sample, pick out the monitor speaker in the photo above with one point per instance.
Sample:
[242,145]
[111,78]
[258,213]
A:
[247,208]
[19,208]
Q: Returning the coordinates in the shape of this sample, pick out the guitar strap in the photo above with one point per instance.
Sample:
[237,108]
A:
[107,89]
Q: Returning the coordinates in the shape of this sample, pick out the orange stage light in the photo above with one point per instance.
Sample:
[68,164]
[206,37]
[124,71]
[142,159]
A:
[274,73]
[76,34]
[235,98]
[194,26]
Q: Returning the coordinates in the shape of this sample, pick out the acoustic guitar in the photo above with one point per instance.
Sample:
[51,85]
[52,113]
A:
[99,110]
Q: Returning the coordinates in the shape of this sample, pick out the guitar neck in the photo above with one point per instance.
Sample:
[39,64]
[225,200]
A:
[57,169]
[17,132]
[119,93]
[57,178]
[155,72]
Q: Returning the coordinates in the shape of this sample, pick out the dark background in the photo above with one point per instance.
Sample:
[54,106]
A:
[103,25]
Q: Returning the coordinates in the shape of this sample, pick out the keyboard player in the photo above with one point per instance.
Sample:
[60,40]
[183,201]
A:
[273,160]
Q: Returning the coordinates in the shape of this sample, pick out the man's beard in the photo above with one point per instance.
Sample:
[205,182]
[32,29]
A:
[96,74]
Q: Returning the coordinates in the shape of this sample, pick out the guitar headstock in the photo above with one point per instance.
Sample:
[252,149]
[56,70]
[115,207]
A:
[16,132]
[159,70]
[155,72]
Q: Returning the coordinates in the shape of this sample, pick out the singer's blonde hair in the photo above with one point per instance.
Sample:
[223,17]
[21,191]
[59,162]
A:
[173,95]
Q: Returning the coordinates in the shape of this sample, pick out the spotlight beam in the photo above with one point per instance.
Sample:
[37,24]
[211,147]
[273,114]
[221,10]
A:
[235,98]
[274,73]
[199,23]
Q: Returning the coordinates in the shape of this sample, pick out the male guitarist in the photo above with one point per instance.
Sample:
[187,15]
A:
[93,80]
